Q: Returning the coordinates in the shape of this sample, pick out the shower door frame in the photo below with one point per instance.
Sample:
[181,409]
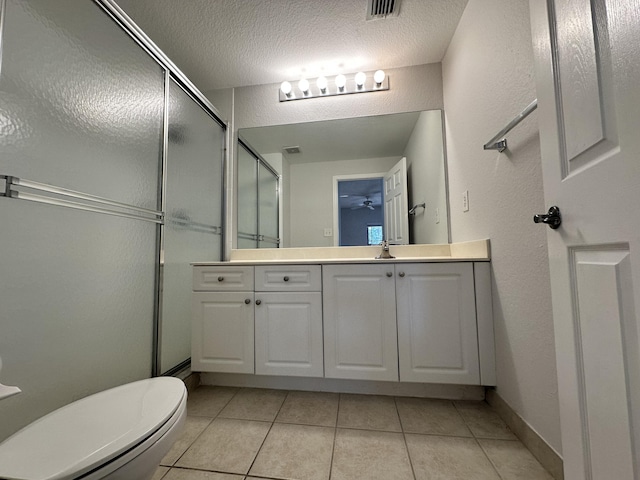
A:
[171,71]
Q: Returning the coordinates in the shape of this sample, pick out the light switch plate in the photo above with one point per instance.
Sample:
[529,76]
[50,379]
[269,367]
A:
[465,201]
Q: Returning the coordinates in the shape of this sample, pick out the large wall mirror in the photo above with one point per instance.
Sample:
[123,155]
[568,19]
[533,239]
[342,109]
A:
[322,163]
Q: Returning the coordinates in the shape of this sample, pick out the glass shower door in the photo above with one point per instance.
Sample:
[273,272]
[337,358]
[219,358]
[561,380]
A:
[267,207]
[247,198]
[193,216]
[258,196]
[81,109]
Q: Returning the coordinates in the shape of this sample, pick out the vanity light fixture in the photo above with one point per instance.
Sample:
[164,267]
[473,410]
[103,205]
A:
[285,88]
[303,85]
[361,82]
[322,84]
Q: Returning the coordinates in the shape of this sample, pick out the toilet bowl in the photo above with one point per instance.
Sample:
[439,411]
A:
[118,434]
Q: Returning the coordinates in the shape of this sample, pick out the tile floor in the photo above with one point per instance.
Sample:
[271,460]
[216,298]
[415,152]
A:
[238,434]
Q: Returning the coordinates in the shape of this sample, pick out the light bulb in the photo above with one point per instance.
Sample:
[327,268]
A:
[322,84]
[341,81]
[285,88]
[378,77]
[303,85]
[360,79]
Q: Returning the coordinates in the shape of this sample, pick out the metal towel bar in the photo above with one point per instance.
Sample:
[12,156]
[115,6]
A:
[262,238]
[185,223]
[37,192]
[412,210]
[501,145]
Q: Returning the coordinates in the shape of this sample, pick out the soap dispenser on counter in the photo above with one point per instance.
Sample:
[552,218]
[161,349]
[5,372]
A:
[6,391]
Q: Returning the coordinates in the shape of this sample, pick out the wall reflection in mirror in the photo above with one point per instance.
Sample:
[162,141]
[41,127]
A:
[313,158]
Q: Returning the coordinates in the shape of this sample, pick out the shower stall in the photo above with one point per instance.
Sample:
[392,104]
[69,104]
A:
[111,182]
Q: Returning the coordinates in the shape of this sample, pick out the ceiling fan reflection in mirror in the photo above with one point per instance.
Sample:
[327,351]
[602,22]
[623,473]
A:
[367,203]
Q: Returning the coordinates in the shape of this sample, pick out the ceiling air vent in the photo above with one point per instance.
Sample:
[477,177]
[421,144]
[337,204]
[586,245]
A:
[382,8]
[292,150]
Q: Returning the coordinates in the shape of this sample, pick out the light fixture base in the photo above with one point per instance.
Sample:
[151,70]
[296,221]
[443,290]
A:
[331,90]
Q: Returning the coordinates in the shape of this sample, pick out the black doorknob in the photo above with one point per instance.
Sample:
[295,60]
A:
[552,218]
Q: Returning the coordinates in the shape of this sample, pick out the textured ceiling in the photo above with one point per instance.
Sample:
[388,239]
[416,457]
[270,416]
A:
[233,43]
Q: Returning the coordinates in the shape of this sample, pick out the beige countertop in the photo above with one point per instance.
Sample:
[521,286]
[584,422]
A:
[474,251]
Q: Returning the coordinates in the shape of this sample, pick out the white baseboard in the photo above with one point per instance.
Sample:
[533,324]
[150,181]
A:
[540,449]
[402,389]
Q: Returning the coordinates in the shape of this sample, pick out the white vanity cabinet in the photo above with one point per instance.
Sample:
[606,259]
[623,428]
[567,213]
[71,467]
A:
[359,308]
[413,322]
[437,328]
[288,320]
[222,329]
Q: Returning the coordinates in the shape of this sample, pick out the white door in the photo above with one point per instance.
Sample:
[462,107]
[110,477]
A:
[396,204]
[588,71]
[359,313]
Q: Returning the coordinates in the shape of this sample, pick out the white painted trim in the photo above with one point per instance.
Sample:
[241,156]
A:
[336,202]
[370,387]
[484,317]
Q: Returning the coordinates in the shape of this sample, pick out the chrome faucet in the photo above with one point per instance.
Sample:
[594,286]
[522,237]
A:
[385,250]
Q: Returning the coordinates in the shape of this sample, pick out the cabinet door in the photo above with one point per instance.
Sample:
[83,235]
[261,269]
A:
[222,332]
[360,337]
[437,333]
[289,334]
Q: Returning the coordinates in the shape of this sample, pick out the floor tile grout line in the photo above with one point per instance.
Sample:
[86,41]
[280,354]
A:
[395,402]
[489,458]
[335,437]
[273,422]
[211,419]
[483,437]
[193,441]
[205,470]
[404,438]
[455,407]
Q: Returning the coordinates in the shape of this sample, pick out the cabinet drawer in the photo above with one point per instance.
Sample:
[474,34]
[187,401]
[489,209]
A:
[288,278]
[222,279]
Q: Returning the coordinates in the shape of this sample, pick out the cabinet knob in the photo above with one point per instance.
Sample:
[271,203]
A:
[286,279]
[389,274]
[247,301]
[258,302]
[401,274]
[220,279]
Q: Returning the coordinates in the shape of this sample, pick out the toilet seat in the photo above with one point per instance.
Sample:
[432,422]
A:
[88,434]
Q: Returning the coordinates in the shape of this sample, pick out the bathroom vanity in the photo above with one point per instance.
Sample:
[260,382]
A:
[339,313]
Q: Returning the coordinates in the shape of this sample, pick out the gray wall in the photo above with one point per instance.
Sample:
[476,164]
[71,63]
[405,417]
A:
[488,79]
[426,180]
[311,196]
[411,89]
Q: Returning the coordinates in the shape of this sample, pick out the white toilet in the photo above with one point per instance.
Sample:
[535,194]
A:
[118,434]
